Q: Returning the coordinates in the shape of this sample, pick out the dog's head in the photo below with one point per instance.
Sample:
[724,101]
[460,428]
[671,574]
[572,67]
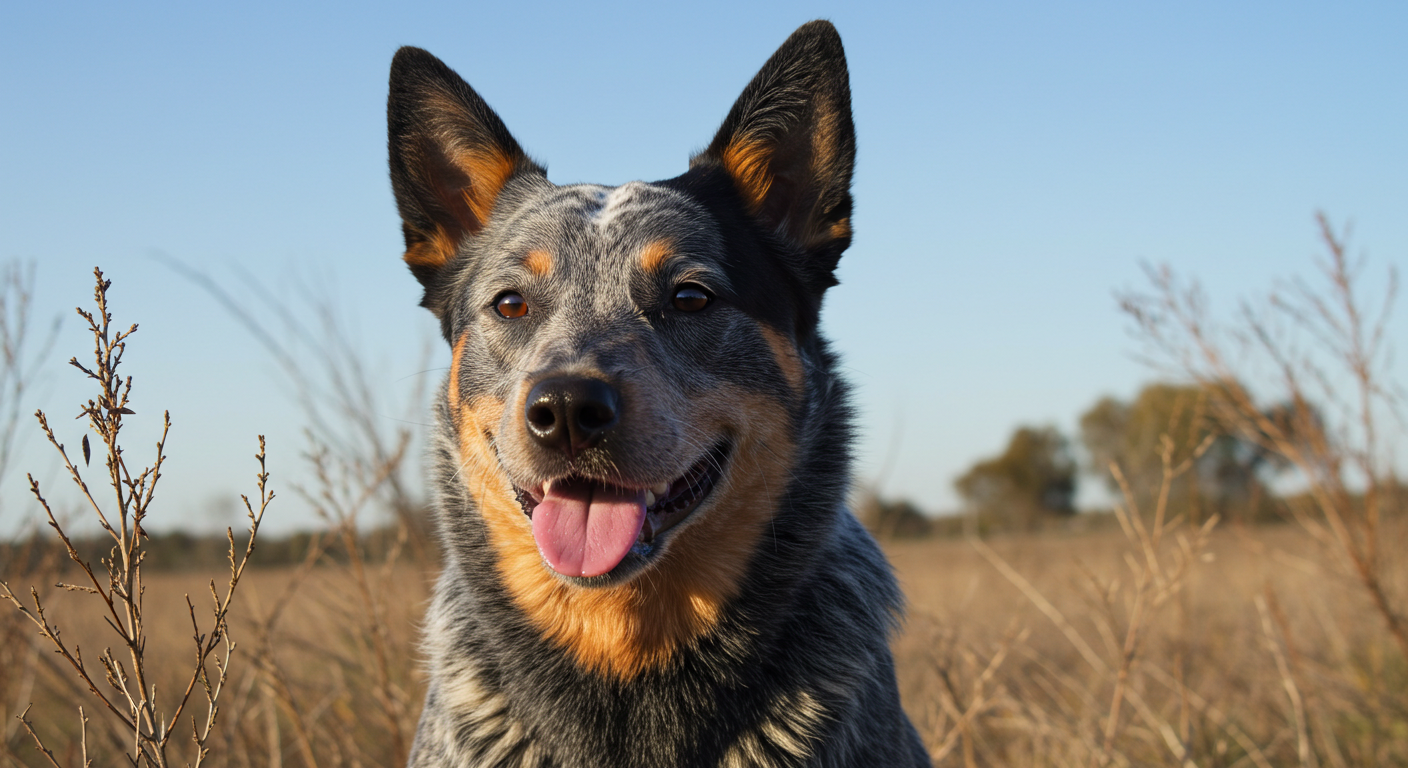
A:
[632,366]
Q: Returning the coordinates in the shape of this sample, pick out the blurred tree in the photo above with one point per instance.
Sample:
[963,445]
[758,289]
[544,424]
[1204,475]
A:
[892,519]
[1032,480]
[1228,476]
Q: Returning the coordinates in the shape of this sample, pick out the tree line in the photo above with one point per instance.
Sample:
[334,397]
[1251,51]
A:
[1037,475]
[1034,480]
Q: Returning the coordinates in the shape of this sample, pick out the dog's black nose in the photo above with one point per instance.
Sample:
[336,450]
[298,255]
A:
[571,413]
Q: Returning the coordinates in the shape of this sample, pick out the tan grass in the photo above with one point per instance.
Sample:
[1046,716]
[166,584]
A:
[313,672]
[1148,645]
[1210,670]
[987,676]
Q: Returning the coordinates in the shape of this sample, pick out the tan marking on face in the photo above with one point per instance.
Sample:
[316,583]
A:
[539,262]
[749,163]
[453,390]
[624,630]
[786,355]
[654,254]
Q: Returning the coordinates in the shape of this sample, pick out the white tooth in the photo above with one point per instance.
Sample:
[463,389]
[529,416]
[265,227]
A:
[546,484]
[661,489]
[649,499]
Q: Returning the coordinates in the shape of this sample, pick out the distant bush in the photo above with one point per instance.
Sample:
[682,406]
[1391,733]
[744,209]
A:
[1032,480]
[892,519]
[178,551]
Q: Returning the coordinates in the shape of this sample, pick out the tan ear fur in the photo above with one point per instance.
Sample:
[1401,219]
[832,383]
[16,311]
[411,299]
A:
[450,158]
[467,185]
[788,146]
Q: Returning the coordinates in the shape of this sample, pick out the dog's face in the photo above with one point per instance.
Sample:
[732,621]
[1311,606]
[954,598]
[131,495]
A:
[631,366]
[594,339]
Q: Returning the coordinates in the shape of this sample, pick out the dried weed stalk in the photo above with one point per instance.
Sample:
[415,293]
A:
[1328,354]
[348,697]
[126,686]
[1158,572]
[335,385]
[23,349]
[1140,679]
[19,356]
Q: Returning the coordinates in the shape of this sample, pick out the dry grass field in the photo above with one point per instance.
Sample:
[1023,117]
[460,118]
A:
[1153,642]
[1267,655]
[324,673]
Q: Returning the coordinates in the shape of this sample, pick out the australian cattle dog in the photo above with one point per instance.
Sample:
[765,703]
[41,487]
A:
[643,447]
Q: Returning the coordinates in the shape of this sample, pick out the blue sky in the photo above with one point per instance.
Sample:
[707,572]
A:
[1017,163]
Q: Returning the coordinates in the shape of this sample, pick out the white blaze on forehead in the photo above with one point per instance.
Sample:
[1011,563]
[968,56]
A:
[613,201]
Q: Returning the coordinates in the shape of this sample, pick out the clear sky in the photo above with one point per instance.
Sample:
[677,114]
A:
[1017,163]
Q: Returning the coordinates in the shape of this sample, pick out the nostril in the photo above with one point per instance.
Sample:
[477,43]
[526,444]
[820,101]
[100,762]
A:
[541,417]
[595,416]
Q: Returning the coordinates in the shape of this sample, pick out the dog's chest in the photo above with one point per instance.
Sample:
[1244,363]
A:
[470,721]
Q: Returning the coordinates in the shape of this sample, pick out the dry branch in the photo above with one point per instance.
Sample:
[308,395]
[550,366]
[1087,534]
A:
[130,695]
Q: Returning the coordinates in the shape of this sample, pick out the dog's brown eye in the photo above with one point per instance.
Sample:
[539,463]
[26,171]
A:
[511,305]
[691,298]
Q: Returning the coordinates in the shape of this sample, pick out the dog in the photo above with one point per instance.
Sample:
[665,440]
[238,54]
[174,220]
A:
[642,450]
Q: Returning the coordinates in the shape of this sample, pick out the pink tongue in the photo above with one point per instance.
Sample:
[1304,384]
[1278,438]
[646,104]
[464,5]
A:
[586,529]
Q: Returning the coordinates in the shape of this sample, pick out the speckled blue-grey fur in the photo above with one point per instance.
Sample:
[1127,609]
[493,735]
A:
[796,670]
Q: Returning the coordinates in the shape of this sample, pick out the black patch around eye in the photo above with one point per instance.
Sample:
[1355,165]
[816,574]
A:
[691,298]
[511,305]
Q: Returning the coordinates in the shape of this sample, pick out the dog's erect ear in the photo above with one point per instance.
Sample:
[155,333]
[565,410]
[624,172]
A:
[450,158]
[789,146]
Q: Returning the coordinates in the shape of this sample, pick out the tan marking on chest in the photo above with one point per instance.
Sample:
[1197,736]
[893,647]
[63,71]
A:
[624,630]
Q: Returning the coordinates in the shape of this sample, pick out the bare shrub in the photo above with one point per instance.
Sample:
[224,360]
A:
[1110,642]
[339,686]
[125,684]
[1327,353]
[342,690]
[333,383]
[21,352]
[1258,645]
[23,348]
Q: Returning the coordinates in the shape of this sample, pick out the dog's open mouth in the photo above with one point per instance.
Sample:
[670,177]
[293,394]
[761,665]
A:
[585,527]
